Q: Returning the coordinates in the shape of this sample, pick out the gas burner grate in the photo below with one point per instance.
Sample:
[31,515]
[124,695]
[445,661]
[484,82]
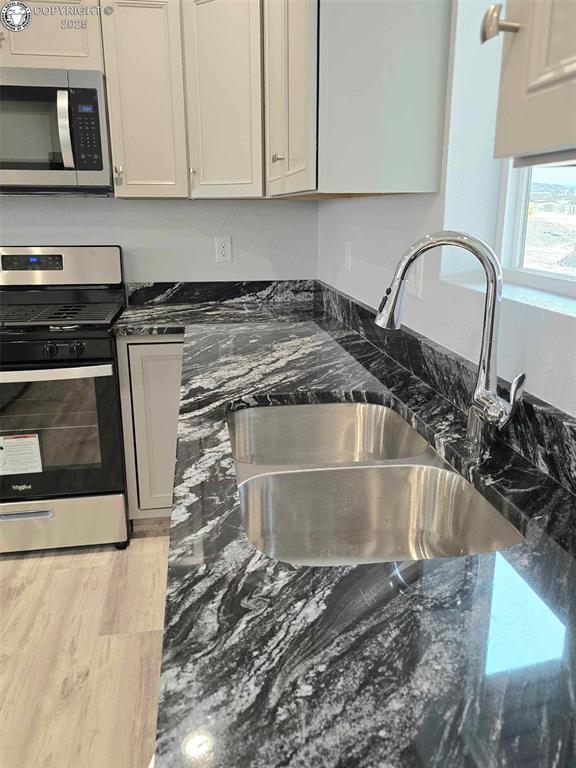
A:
[20,315]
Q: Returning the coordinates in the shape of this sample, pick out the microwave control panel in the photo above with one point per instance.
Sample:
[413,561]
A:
[85,124]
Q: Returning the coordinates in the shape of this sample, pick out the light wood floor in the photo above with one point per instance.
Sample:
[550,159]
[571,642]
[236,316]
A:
[80,647]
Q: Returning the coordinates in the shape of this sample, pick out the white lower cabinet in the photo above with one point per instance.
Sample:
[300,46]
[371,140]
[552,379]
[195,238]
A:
[150,393]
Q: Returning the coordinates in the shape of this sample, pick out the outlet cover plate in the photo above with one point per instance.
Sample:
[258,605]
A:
[223,245]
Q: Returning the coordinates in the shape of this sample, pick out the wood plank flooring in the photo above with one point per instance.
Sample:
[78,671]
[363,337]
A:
[80,649]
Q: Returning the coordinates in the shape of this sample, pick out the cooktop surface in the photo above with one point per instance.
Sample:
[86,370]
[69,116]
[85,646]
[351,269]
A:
[34,315]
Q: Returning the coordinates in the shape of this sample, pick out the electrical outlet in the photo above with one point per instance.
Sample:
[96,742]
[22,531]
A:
[223,249]
[348,256]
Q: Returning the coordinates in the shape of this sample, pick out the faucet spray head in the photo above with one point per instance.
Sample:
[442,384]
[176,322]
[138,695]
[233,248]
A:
[390,307]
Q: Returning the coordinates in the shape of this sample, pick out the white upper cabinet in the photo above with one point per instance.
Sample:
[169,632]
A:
[537,107]
[383,70]
[222,44]
[55,40]
[143,55]
[291,94]
[355,94]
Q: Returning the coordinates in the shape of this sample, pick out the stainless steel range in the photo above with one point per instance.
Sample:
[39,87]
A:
[61,455]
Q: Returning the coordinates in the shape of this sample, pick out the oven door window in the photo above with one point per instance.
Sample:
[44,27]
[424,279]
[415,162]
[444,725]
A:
[59,432]
[29,129]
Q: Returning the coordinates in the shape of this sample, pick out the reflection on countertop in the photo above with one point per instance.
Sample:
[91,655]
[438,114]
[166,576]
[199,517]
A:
[450,662]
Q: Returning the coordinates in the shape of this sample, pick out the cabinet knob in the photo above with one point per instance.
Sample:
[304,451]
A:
[118,170]
[492,24]
[276,158]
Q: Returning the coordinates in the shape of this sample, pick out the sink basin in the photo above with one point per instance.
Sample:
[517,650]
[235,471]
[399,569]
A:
[324,434]
[368,514]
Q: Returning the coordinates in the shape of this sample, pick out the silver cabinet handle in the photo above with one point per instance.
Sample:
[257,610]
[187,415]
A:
[118,170]
[276,157]
[64,128]
[55,374]
[492,24]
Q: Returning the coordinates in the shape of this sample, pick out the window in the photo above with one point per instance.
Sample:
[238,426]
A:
[539,243]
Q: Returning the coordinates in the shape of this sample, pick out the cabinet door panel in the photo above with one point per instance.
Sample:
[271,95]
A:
[302,95]
[537,107]
[223,76]
[291,81]
[143,55]
[275,90]
[52,41]
[155,371]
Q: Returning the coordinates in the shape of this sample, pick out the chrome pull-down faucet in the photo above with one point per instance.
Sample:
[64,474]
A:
[486,402]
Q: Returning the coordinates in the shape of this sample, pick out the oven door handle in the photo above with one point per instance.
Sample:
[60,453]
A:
[56,374]
[63,116]
[38,514]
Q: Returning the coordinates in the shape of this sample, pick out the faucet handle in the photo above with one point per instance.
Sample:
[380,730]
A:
[517,389]
[516,392]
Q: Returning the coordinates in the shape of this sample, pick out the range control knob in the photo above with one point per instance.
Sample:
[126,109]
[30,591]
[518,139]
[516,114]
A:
[76,349]
[49,350]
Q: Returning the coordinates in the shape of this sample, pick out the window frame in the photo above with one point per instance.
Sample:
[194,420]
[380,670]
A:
[511,236]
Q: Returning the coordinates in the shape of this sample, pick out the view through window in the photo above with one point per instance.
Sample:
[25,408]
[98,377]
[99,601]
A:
[550,235]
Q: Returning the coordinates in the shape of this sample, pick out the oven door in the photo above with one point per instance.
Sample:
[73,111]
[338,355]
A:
[59,432]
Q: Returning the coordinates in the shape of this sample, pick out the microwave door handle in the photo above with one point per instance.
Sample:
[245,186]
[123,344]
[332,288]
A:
[63,114]
[55,374]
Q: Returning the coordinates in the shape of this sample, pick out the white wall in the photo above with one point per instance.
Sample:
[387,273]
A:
[539,342]
[174,239]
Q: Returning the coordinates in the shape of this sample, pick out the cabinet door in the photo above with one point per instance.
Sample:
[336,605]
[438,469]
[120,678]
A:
[143,55]
[55,40]
[275,90]
[155,371]
[291,82]
[537,107]
[224,95]
[302,85]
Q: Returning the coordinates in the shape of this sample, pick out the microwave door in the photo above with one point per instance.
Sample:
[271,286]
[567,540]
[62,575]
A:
[35,146]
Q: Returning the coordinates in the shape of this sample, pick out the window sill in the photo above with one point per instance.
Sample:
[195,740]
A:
[535,297]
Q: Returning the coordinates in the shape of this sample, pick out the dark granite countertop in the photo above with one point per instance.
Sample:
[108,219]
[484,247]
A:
[151,320]
[268,665]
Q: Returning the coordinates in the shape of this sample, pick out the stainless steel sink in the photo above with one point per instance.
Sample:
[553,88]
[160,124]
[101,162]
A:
[324,434]
[370,514]
[349,483]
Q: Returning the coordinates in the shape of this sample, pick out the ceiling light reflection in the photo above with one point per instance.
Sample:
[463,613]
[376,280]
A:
[197,747]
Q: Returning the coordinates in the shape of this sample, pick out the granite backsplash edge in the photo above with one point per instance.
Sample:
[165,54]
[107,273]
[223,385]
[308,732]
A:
[541,433]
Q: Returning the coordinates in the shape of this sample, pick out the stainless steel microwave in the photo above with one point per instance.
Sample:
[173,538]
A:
[53,131]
